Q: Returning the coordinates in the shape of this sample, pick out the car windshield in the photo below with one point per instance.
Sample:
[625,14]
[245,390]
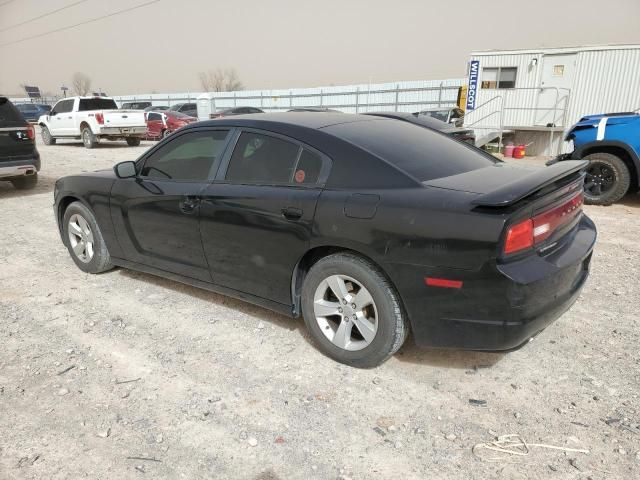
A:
[87,104]
[420,152]
[180,115]
[8,113]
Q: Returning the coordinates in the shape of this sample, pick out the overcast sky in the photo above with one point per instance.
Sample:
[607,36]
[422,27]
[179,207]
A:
[161,47]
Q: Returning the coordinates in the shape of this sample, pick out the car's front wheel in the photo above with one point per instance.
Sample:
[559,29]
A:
[84,240]
[47,139]
[352,311]
[607,179]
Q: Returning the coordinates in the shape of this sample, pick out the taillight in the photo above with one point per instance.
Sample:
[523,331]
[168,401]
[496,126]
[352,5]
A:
[537,229]
[100,118]
[547,222]
[31,132]
[519,237]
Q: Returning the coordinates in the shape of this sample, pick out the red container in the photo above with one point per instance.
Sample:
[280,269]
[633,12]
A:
[508,150]
[519,151]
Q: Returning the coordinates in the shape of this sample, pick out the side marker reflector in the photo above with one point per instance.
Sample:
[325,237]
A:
[442,282]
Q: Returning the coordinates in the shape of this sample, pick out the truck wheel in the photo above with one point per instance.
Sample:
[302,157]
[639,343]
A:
[607,179]
[47,139]
[133,141]
[165,133]
[25,183]
[88,138]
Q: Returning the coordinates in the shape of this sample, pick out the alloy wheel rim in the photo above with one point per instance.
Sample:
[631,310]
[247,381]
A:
[81,238]
[85,137]
[600,178]
[345,312]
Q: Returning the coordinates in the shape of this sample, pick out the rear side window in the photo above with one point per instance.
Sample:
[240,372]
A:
[9,113]
[87,104]
[419,152]
[154,116]
[188,157]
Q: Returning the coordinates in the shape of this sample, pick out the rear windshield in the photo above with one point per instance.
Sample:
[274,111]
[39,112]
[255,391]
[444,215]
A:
[422,153]
[87,104]
[8,113]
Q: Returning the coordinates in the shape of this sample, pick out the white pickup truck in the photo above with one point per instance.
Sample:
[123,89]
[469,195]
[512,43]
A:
[92,119]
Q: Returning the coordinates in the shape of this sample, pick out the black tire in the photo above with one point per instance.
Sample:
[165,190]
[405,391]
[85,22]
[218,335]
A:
[608,179]
[100,260]
[47,139]
[165,133]
[133,141]
[88,138]
[392,325]
[25,183]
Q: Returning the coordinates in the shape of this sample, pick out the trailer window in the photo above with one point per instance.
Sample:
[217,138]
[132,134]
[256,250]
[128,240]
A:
[500,77]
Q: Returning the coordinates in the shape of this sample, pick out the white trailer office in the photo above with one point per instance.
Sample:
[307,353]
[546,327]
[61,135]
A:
[532,96]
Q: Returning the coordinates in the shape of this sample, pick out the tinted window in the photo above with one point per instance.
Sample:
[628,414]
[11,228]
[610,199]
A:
[262,159]
[154,116]
[87,104]
[187,157]
[308,168]
[420,152]
[9,113]
[64,106]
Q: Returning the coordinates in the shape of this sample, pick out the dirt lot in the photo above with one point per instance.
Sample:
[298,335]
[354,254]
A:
[124,375]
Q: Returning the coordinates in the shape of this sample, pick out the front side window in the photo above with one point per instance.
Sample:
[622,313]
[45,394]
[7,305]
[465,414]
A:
[154,116]
[187,157]
[63,106]
[262,159]
[500,77]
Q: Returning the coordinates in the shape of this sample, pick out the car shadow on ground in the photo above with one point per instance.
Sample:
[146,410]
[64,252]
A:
[410,352]
[631,200]
[45,184]
[102,144]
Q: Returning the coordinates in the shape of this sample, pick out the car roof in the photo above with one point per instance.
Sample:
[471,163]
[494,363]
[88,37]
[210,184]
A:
[422,120]
[313,120]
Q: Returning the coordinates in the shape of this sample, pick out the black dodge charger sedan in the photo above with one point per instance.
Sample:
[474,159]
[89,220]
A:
[367,227]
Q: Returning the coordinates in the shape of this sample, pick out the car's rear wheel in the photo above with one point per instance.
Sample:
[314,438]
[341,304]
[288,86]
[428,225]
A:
[25,183]
[607,179]
[165,133]
[88,138]
[352,311]
[84,240]
[47,139]
[133,141]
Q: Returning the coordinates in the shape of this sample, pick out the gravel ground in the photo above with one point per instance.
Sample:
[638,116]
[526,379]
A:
[125,375]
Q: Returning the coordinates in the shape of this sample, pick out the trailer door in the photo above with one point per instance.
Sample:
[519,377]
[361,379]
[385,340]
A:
[557,72]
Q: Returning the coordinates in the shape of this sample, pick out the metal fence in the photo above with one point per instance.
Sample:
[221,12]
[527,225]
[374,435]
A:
[396,96]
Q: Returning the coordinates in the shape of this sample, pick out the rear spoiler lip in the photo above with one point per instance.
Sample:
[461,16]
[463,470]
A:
[515,191]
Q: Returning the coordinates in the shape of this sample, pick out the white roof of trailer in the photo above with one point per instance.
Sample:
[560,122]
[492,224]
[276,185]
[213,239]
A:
[543,50]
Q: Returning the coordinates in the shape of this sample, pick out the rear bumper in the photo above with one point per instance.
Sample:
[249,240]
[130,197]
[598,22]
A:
[501,306]
[123,131]
[20,166]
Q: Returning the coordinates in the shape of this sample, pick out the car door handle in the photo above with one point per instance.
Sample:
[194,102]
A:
[188,204]
[292,213]
[69,117]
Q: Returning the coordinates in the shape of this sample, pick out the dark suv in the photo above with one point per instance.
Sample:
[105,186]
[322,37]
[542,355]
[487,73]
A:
[19,158]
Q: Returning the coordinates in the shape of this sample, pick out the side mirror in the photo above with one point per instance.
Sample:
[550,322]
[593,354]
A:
[125,169]
[53,113]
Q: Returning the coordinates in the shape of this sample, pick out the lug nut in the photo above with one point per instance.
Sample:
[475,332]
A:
[340,309]
[353,305]
[344,302]
[355,317]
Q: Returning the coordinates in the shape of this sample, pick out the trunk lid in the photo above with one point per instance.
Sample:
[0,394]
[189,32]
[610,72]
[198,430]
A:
[503,184]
